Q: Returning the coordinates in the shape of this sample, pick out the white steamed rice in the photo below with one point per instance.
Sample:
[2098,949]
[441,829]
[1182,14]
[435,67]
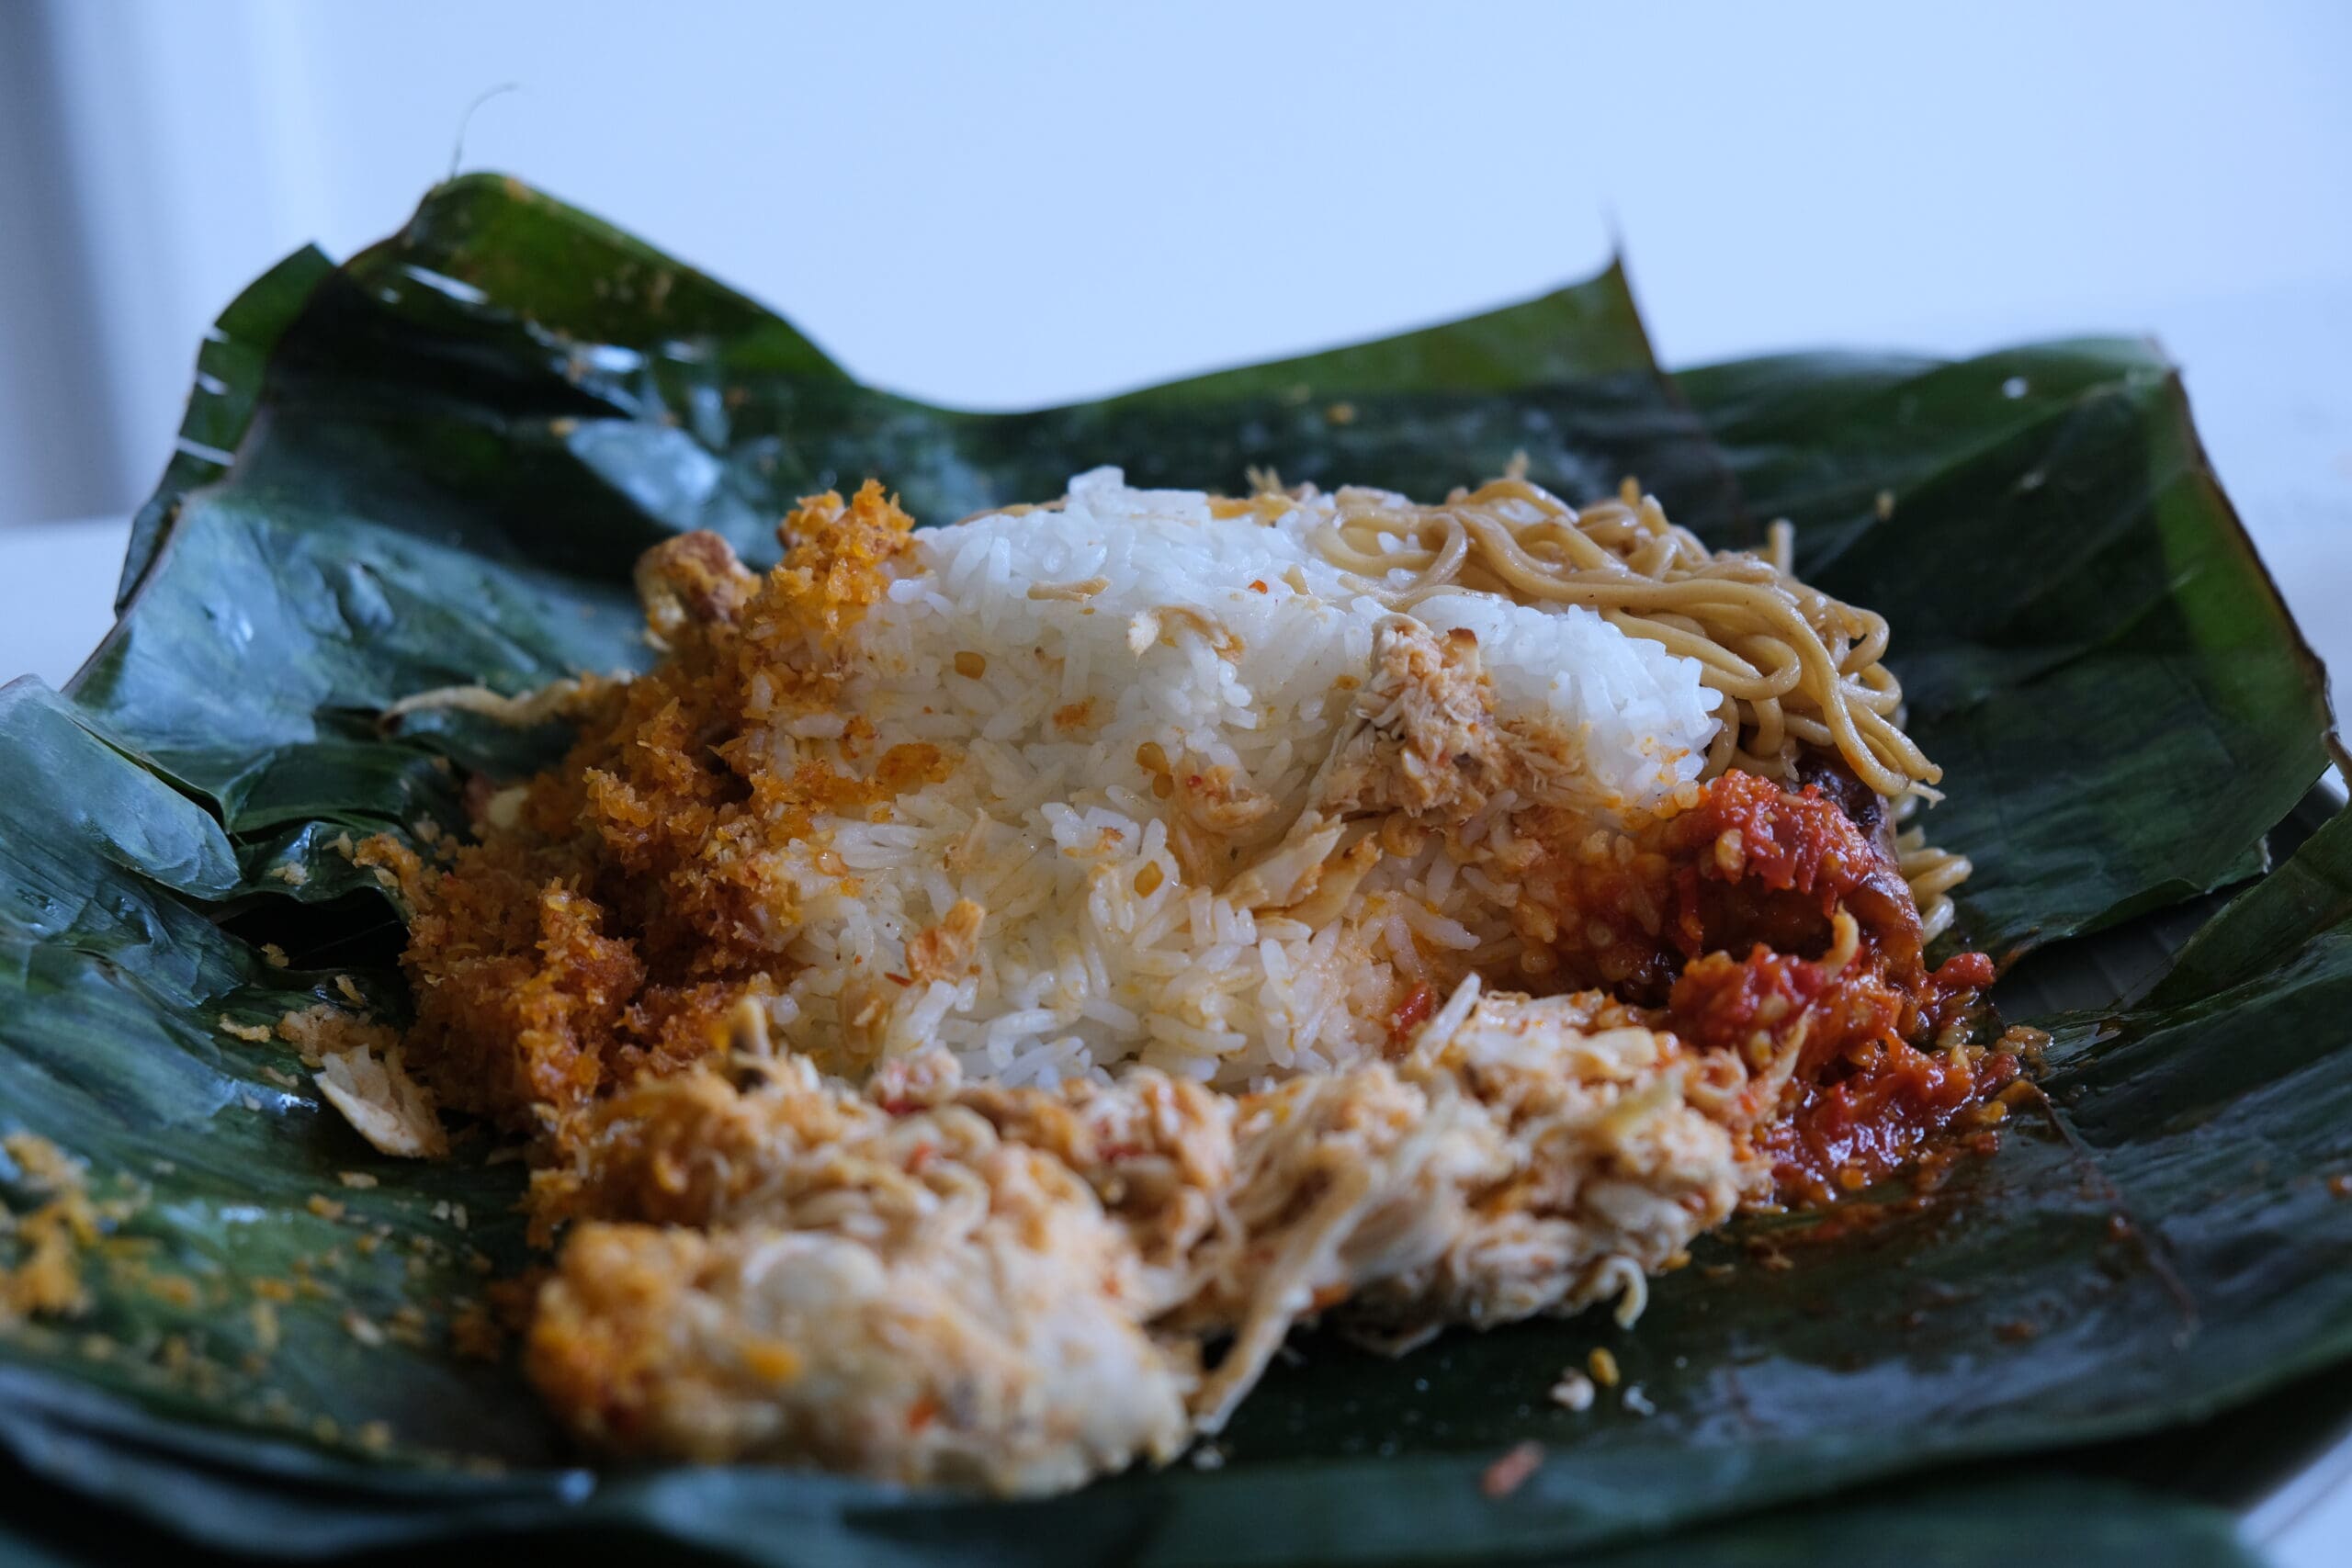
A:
[1048,819]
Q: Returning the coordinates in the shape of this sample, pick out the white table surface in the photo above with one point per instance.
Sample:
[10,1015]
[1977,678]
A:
[2263,372]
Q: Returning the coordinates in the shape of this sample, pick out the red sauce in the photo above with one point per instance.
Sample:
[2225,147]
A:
[1724,1004]
[1412,1013]
[1758,870]
[1749,863]
[1952,991]
[1850,1131]
[1863,1099]
[1790,842]
[1757,862]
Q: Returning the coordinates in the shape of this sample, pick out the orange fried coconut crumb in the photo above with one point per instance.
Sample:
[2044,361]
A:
[46,1279]
[612,931]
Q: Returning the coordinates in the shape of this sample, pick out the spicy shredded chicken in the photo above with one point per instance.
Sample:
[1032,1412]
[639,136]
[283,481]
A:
[939,1282]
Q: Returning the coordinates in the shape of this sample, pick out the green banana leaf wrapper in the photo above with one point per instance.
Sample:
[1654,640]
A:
[436,463]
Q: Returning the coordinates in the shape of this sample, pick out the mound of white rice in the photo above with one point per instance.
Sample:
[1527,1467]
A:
[1067,662]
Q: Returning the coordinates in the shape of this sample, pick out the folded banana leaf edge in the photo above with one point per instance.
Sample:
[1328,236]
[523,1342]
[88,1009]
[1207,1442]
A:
[436,464]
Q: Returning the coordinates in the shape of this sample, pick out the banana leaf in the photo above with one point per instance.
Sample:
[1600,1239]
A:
[2086,640]
[436,464]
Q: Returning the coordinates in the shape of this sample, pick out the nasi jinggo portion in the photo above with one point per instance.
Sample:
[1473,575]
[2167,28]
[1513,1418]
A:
[987,983]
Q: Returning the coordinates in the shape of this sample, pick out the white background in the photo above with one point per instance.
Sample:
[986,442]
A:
[1000,206]
[1015,204]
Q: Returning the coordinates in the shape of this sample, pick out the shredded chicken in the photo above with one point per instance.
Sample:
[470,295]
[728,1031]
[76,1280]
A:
[944,951]
[1424,738]
[694,577]
[940,1281]
[384,1105]
[965,1327]
[1420,739]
